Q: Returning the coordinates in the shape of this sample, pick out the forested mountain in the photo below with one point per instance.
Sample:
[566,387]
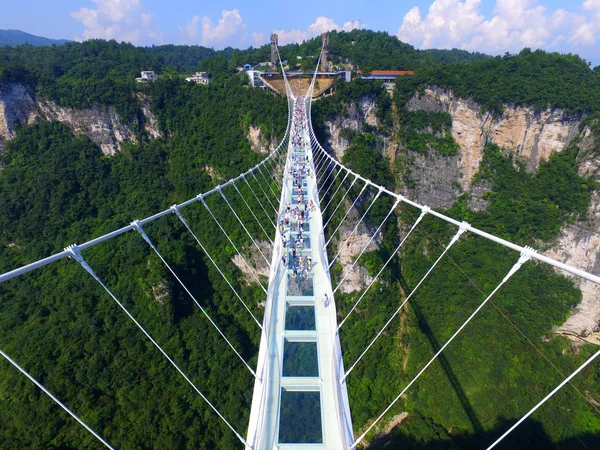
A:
[56,188]
[18,37]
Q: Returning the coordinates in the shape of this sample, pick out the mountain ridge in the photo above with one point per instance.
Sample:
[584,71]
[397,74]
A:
[13,38]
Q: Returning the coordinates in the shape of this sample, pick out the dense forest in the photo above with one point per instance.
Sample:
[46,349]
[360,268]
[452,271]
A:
[57,188]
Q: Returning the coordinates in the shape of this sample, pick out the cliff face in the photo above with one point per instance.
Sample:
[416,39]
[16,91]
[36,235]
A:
[579,246]
[350,246]
[16,107]
[532,135]
[359,113]
[258,142]
[101,123]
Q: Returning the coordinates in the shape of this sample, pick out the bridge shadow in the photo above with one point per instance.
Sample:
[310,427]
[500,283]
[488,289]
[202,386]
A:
[195,276]
[452,378]
[420,433]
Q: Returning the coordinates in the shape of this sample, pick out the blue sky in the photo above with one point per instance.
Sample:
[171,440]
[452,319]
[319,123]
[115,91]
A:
[490,26]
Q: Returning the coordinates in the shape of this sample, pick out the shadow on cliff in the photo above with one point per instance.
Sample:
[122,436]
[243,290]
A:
[530,435]
[448,371]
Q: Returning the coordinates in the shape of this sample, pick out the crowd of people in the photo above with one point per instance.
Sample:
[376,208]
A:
[294,221]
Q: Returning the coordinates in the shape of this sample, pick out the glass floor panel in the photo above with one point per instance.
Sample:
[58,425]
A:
[300,418]
[300,286]
[300,318]
[300,359]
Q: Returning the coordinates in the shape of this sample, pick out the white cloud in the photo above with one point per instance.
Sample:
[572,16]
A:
[258,39]
[189,31]
[227,31]
[122,20]
[228,25]
[514,24]
[319,26]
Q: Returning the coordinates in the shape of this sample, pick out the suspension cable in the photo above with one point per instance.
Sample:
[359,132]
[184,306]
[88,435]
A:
[324,182]
[368,243]
[318,160]
[414,226]
[264,193]
[252,212]
[321,158]
[56,400]
[75,253]
[176,211]
[275,195]
[454,239]
[330,185]
[274,170]
[139,229]
[346,215]
[252,271]
[554,391]
[322,173]
[340,202]
[336,191]
[244,227]
[526,256]
[356,227]
[259,202]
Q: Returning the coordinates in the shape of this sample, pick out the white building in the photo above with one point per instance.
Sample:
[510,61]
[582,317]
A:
[199,77]
[147,76]
[254,78]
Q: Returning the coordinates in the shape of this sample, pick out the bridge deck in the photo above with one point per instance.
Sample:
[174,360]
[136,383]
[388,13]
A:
[298,403]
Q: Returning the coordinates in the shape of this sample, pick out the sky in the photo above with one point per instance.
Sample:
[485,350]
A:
[488,26]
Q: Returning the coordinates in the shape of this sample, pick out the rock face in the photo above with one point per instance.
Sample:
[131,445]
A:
[150,121]
[349,247]
[432,179]
[258,142]
[579,246]
[358,113]
[16,107]
[101,123]
[532,134]
[253,264]
[435,180]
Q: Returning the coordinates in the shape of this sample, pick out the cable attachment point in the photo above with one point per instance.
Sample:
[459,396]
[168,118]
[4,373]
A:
[526,254]
[463,227]
[75,253]
[175,210]
[200,196]
[138,227]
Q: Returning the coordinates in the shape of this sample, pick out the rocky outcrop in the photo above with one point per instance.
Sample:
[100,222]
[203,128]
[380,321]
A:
[579,246]
[530,133]
[150,121]
[101,123]
[431,179]
[349,247]
[363,111]
[252,264]
[258,141]
[16,108]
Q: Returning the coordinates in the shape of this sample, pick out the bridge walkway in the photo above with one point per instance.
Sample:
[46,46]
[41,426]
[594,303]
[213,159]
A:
[303,405]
